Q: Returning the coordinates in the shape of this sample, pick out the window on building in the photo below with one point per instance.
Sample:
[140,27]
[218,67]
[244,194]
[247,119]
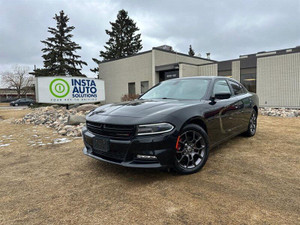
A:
[144,86]
[225,73]
[237,89]
[221,87]
[249,81]
[131,88]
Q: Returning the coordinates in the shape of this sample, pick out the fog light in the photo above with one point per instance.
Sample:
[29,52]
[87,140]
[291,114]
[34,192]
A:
[146,157]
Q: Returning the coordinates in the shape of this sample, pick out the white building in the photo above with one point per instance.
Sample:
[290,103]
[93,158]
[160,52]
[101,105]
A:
[273,75]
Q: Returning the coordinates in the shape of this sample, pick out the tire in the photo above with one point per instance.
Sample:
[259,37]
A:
[193,149]
[31,104]
[252,125]
[16,104]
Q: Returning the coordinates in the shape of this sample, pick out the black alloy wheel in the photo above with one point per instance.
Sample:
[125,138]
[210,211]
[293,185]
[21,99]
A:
[252,124]
[192,150]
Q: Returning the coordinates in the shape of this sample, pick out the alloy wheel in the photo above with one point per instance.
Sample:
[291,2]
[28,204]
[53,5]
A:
[191,149]
[253,121]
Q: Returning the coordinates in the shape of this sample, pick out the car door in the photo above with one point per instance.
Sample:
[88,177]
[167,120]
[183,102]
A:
[221,112]
[22,101]
[240,101]
[27,101]
[18,102]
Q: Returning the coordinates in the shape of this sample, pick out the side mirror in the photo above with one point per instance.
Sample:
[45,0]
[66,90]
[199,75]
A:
[222,96]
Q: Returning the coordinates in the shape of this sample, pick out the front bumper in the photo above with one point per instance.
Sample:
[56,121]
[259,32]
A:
[124,152]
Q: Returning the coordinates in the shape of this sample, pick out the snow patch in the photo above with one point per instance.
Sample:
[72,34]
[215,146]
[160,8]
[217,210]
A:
[61,141]
[4,145]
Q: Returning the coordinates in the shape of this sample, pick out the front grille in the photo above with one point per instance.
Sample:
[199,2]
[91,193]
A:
[113,155]
[111,130]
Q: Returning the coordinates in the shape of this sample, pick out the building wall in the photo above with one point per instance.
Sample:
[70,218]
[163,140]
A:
[118,73]
[192,70]
[236,70]
[187,70]
[278,80]
[11,97]
[208,70]
[7,94]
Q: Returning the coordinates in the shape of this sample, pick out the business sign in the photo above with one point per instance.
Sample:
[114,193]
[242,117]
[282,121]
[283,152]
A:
[171,74]
[69,90]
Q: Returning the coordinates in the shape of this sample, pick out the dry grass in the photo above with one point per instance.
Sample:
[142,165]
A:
[245,181]
[13,113]
[4,104]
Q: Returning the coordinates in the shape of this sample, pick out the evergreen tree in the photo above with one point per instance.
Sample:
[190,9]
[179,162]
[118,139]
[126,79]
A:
[38,72]
[191,51]
[96,69]
[123,40]
[59,54]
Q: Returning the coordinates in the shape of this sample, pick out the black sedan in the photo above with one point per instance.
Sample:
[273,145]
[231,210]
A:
[22,101]
[173,125]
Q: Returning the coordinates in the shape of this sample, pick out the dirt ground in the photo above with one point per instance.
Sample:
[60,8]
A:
[245,181]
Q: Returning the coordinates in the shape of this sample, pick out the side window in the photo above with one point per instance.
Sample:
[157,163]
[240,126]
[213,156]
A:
[237,89]
[131,88]
[221,87]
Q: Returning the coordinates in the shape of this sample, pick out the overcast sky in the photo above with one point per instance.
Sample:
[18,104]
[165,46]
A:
[226,29]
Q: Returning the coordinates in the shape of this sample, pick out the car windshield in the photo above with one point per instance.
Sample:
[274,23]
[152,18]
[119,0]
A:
[184,89]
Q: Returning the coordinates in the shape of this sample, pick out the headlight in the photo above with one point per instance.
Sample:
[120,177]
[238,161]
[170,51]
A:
[158,128]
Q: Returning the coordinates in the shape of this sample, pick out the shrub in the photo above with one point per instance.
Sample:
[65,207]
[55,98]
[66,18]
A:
[128,97]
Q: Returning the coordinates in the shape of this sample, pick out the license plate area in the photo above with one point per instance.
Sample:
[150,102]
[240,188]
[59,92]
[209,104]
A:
[100,145]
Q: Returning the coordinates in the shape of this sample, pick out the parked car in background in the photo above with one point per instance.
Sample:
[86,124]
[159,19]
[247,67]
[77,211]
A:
[174,124]
[22,102]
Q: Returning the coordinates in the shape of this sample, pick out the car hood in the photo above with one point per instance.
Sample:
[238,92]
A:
[140,108]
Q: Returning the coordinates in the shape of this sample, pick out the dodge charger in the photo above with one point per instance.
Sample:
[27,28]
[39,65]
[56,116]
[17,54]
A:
[172,125]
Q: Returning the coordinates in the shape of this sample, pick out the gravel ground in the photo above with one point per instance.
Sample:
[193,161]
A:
[245,181]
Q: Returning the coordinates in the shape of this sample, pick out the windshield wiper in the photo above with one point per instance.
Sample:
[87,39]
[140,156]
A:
[167,98]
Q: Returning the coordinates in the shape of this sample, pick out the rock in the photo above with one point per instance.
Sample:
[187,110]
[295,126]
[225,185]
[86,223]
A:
[74,106]
[280,112]
[75,119]
[86,107]
[68,128]
[62,132]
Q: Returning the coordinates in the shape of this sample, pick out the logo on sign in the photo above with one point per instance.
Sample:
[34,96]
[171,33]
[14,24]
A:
[59,88]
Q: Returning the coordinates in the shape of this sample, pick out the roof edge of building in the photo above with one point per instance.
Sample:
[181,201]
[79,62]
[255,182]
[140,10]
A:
[159,49]
[137,54]
[282,51]
[179,53]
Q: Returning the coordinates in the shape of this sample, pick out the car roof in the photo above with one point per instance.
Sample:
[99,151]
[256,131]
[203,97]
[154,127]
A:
[204,77]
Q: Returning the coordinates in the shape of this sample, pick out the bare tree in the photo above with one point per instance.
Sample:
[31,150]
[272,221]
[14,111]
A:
[18,79]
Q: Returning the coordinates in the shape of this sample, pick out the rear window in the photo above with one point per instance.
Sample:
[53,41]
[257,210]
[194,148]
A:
[237,88]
